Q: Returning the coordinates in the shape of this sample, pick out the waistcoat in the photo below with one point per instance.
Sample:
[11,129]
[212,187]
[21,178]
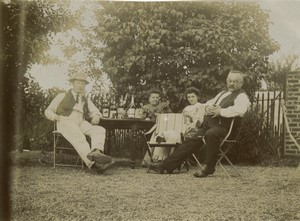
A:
[65,107]
[224,121]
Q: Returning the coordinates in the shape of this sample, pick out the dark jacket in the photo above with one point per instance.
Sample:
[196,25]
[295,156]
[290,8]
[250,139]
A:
[65,108]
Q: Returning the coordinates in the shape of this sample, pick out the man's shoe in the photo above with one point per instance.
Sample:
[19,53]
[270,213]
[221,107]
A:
[101,168]
[204,173]
[157,167]
[99,157]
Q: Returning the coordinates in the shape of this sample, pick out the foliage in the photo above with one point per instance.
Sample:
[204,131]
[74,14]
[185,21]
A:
[25,29]
[174,45]
[252,146]
[38,129]
[278,70]
[35,123]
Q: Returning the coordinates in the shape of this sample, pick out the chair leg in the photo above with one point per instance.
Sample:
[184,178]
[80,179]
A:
[187,165]
[225,171]
[198,163]
[148,148]
[79,159]
[223,155]
[55,143]
[179,168]
[150,156]
[54,149]
[232,165]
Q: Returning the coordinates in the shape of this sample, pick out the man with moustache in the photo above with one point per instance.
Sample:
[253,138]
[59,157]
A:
[220,110]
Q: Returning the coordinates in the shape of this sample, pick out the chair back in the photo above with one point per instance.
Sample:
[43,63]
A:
[54,126]
[233,131]
[169,122]
[235,128]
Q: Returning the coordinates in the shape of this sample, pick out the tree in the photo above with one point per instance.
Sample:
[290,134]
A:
[276,76]
[174,45]
[25,28]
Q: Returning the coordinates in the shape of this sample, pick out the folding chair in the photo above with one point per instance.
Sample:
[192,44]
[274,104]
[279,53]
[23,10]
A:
[61,144]
[230,140]
[165,122]
[227,143]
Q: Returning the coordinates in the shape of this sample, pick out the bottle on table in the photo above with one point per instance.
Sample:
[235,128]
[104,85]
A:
[113,109]
[131,109]
[121,107]
[105,107]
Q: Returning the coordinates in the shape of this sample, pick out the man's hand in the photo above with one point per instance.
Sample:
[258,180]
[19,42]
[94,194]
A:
[95,120]
[217,111]
[210,110]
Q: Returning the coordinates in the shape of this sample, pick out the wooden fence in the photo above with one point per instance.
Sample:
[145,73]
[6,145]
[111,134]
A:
[268,103]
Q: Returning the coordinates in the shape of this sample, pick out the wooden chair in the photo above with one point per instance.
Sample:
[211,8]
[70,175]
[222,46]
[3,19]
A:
[165,122]
[61,144]
[229,141]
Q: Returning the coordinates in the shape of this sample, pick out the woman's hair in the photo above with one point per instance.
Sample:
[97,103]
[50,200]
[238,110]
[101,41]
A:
[192,90]
[154,91]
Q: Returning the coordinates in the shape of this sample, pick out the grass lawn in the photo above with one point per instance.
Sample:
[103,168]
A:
[42,193]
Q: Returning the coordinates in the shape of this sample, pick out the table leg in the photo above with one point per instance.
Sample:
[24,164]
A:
[108,142]
[134,147]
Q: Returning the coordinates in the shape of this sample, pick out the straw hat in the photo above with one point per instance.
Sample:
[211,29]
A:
[79,76]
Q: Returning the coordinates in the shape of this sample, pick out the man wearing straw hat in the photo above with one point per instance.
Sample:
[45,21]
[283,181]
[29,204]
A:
[72,111]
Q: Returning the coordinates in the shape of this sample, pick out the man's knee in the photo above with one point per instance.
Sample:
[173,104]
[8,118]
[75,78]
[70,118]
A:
[210,134]
[190,145]
[215,134]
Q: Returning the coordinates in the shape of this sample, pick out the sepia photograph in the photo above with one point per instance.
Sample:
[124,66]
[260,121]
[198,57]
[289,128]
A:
[149,110]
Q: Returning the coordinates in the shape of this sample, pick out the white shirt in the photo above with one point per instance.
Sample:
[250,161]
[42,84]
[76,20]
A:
[240,107]
[195,111]
[51,110]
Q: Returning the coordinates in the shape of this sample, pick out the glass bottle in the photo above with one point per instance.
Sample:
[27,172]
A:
[120,108]
[113,109]
[131,109]
[105,107]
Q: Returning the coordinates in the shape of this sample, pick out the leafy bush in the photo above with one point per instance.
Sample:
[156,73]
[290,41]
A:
[251,146]
[37,134]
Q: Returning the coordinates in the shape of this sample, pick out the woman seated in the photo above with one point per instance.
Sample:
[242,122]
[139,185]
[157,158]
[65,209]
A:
[194,114]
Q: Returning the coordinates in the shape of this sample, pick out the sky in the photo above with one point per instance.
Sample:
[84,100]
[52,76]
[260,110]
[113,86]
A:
[284,15]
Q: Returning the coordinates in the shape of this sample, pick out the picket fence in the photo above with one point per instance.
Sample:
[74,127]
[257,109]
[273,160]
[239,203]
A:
[268,103]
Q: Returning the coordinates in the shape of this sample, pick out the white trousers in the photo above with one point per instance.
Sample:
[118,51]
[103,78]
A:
[74,129]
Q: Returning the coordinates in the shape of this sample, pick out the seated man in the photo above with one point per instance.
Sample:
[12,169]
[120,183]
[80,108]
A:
[71,111]
[219,111]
